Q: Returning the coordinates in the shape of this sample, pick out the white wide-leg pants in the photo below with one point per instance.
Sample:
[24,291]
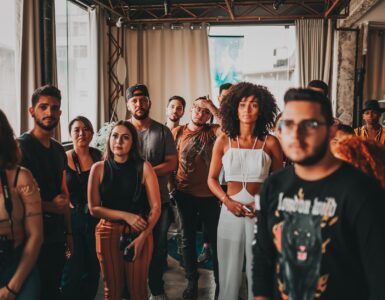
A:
[235,236]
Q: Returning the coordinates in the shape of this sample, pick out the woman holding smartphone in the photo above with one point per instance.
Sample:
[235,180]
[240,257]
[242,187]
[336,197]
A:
[124,233]
[248,154]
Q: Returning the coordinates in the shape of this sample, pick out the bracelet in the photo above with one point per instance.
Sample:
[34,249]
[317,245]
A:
[223,197]
[14,293]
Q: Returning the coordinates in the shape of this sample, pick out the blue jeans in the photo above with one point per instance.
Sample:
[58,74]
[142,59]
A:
[80,276]
[31,286]
[155,276]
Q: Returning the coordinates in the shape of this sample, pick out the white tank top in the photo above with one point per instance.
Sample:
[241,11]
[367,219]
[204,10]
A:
[246,165]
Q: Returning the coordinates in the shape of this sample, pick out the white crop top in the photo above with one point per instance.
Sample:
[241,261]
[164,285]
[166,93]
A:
[246,165]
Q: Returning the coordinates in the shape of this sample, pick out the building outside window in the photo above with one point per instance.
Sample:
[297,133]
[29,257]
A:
[263,55]
[74,63]
[8,79]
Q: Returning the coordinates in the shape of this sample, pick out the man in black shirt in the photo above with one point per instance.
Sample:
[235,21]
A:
[320,230]
[46,159]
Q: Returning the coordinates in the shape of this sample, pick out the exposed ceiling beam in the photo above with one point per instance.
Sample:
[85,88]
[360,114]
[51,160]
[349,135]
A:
[240,19]
[188,11]
[230,9]
[247,11]
[308,8]
[108,8]
[332,7]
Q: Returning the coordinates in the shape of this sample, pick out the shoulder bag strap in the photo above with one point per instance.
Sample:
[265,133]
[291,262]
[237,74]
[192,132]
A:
[7,197]
[76,162]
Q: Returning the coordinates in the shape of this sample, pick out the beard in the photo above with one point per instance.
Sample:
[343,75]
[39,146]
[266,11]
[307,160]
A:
[142,116]
[46,127]
[319,153]
[176,119]
[198,124]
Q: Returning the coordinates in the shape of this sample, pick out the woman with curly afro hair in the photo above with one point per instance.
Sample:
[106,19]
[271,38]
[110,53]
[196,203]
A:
[366,155]
[247,153]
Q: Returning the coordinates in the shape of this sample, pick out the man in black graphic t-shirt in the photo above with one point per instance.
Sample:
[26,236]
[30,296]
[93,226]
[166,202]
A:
[320,232]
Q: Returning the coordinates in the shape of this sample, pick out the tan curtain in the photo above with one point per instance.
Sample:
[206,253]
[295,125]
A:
[99,56]
[54,79]
[169,62]
[29,58]
[374,82]
[30,64]
[314,50]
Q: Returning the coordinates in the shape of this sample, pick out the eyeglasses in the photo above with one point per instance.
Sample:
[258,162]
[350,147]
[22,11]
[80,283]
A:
[201,110]
[306,126]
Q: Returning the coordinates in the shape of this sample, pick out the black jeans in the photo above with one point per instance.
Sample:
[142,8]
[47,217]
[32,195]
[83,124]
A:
[159,233]
[50,264]
[80,277]
[209,209]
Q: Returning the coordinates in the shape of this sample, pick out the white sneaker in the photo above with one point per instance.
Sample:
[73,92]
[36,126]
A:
[159,297]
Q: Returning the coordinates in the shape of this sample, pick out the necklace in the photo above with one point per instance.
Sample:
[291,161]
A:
[378,133]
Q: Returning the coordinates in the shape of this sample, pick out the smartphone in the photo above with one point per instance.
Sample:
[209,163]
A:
[247,209]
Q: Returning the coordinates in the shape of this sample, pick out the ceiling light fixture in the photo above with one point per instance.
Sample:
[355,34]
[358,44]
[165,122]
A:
[157,27]
[119,22]
[278,3]
[197,26]
[176,26]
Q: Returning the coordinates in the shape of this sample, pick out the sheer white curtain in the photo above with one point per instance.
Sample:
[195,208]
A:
[169,62]
[314,49]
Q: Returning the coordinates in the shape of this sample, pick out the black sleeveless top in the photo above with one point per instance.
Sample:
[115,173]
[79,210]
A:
[77,183]
[120,186]
[77,190]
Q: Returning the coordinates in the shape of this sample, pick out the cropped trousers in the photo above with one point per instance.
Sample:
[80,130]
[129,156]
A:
[115,269]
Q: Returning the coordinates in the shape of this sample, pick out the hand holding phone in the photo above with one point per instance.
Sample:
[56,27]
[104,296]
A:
[246,209]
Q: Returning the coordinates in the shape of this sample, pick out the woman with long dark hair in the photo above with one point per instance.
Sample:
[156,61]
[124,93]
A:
[81,273]
[248,153]
[123,191]
[21,225]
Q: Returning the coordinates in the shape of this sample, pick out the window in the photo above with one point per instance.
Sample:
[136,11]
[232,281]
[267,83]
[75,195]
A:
[74,64]
[8,80]
[263,55]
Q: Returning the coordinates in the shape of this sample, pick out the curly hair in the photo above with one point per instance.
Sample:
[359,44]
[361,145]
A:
[268,109]
[366,155]
[9,151]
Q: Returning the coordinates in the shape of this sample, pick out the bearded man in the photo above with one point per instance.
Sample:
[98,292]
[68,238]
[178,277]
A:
[46,159]
[320,229]
[158,148]
[195,142]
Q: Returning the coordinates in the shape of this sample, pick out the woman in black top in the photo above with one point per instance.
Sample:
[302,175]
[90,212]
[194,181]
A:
[81,274]
[116,190]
